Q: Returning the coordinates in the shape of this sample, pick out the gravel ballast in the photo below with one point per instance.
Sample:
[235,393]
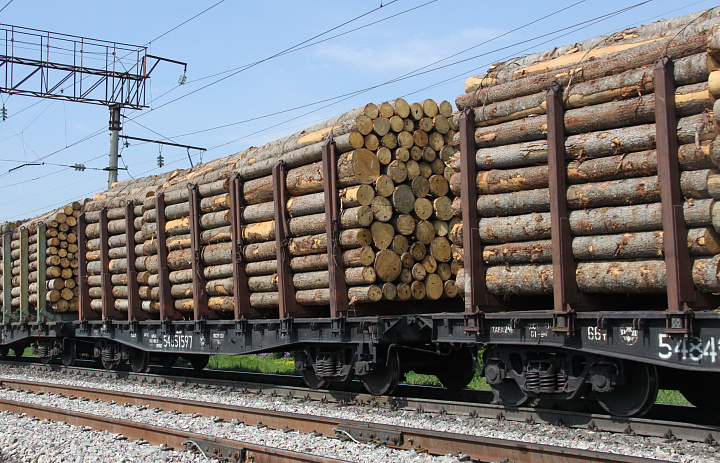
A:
[644,447]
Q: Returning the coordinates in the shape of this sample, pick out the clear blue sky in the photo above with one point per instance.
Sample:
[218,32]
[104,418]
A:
[234,33]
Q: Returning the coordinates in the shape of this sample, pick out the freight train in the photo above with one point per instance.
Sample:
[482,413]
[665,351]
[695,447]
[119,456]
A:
[562,221]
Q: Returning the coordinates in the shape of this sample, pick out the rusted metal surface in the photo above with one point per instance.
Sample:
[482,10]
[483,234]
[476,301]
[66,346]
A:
[339,302]
[134,309]
[201,311]
[7,278]
[241,291]
[24,275]
[435,442]
[288,305]
[678,267]
[476,296]
[213,446]
[565,291]
[41,272]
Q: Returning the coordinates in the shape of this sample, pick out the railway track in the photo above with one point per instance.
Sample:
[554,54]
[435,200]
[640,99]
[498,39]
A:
[440,443]
[664,421]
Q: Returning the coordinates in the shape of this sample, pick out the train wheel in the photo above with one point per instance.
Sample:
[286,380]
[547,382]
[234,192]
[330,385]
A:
[637,396]
[4,352]
[384,378]
[312,380]
[462,371]
[69,354]
[198,361]
[168,360]
[510,394]
[139,361]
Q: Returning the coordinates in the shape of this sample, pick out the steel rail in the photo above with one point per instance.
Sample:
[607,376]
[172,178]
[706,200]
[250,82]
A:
[237,450]
[665,421]
[434,442]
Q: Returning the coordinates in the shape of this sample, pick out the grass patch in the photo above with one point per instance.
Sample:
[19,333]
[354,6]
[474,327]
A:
[670,397]
[281,363]
[477,383]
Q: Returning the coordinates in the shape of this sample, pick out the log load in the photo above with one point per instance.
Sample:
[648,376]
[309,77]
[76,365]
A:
[60,256]
[611,161]
[395,197]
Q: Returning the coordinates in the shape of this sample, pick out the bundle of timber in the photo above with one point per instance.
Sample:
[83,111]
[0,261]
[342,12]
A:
[611,160]
[396,213]
[42,275]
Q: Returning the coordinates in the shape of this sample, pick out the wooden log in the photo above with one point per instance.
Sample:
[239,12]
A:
[180,193]
[599,221]
[628,84]
[307,245]
[639,245]
[605,277]
[270,300]
[382,235]
[628,165]
[181,226]
[387,265]
[403,200]
[213,236]
[356,217]
[357,167]
[689,100]
[597,61]
[590,195]
[215,203]
[361,257]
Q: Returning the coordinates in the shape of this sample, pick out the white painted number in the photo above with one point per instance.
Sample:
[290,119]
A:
[693,349]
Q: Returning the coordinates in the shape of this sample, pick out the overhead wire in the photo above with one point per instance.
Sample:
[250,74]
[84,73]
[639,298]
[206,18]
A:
[420,71]
[252,65]
[410,75]
[6,5]
[417,72]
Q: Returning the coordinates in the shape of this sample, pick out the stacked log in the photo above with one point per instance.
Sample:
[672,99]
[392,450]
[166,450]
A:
[61,260]
[412,207]
[117,253]
[301,154]
[613,192]
[396,209]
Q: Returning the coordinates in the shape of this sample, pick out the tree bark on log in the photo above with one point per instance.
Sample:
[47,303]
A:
[604,277]
[689,100]
[508,81]
[628,84]
[640,245]
[357,217]
[600,221]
